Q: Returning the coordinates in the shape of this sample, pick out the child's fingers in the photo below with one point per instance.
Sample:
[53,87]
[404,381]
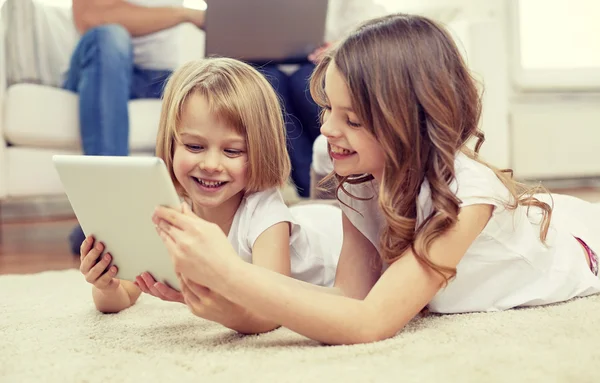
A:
[190,298]
[198,289]
[168,292]
[98,269]
[114,283]
[177,219]
[142,285]
[105,280]
[150,282]
[167,228]
[171,235]
[171,216]
[187,210]
[86,245]
[91,258]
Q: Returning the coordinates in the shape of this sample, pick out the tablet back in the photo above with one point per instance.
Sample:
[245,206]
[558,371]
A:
[114,199]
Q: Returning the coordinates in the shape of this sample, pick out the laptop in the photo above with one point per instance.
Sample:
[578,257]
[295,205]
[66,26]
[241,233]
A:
[265,31]
[114,199]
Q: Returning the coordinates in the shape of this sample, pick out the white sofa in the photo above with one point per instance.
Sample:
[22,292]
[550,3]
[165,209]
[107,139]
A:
[39,121]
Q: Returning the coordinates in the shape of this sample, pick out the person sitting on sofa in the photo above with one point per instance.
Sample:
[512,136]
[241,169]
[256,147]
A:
[127,50]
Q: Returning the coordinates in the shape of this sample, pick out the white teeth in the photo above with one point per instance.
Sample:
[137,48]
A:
[338,150]
[210,184]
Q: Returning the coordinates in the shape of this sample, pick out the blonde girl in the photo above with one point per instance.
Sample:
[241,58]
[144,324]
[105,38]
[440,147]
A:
[222,138]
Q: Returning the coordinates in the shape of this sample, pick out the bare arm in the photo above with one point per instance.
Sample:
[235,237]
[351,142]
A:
[138,20]
[401,292]
[271,251]
[113,301]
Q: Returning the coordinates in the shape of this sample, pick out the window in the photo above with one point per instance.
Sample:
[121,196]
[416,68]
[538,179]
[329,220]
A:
[555,44]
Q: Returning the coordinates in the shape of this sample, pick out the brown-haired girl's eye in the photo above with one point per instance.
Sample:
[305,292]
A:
[353,124]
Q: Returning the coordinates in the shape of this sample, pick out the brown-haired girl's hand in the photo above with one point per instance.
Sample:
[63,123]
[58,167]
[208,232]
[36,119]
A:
[95,269]
[199,249]
[149,285]
[210,305]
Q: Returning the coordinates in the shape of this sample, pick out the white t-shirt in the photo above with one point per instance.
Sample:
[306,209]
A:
[158,50]
[507,265]
[313,252]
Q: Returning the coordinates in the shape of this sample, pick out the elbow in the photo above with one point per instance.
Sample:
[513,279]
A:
[373,330]
[376,334]
[255,331]
[367,335]
[255,328]
[109,309]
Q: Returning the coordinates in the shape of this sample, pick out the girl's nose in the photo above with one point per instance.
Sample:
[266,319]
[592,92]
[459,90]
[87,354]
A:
[328,129]
[211,162]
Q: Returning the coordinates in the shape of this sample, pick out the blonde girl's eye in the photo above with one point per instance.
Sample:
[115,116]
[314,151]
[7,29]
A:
[193,148]
[233,152]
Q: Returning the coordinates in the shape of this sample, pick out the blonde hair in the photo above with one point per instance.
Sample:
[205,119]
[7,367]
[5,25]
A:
[412,91]
[243,98]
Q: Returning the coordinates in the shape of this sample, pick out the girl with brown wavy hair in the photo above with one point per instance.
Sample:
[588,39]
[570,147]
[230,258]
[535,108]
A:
[426,222]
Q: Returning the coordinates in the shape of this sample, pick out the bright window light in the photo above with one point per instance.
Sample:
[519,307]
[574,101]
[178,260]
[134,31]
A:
[559,34]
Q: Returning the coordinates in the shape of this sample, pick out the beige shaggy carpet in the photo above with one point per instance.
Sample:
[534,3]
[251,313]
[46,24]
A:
[50,332]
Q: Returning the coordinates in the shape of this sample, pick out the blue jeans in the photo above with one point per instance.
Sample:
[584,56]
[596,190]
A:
[103,74]
[301,119]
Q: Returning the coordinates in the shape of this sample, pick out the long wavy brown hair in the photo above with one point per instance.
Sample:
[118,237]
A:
[412,91]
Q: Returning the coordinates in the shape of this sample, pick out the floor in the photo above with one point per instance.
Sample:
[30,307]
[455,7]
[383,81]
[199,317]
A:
[33,233]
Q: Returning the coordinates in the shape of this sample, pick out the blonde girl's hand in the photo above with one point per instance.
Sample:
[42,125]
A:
[95,266]
[199,249]
[149,285]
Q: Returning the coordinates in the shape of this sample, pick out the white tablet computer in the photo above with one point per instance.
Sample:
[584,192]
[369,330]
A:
[114,199]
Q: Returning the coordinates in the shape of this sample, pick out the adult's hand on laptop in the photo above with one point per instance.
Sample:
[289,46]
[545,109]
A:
[148,284]
[317,55]
[95,270]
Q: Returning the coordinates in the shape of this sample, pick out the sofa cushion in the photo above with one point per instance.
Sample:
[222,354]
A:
[46,117]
